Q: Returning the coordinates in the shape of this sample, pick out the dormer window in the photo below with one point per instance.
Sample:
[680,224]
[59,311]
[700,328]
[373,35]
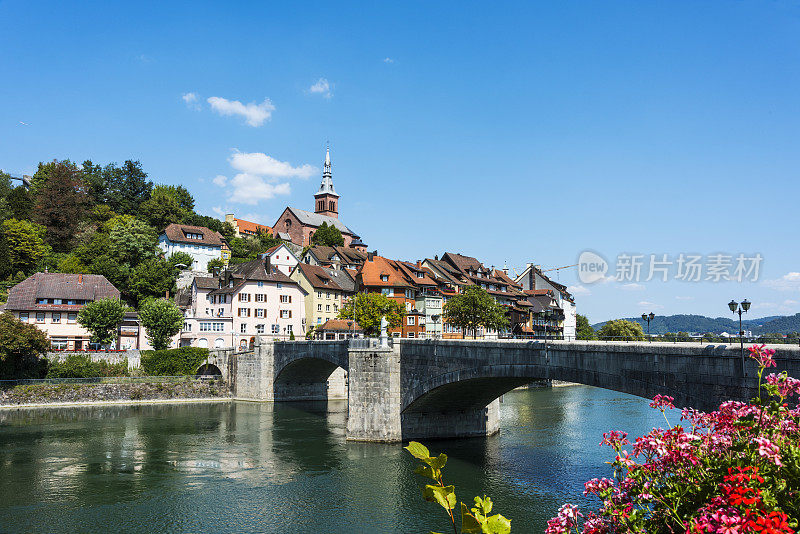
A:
[384,278]
[420,275]
[192,235]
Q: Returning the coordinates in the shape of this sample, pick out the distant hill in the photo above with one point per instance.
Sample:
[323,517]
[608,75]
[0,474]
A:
[775,324]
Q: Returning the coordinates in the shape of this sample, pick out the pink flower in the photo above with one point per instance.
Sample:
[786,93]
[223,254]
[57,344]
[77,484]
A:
[615,438]
[660,402]
[763,356]
[768,450]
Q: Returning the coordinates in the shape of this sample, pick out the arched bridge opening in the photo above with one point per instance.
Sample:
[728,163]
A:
[209,370]
[309,378]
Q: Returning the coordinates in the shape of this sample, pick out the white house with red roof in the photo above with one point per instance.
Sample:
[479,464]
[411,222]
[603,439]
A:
[282,257]
[201,243]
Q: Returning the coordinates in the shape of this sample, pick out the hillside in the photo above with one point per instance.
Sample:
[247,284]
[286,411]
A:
[699,323]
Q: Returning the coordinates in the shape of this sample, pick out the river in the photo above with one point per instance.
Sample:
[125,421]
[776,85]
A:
[251,467]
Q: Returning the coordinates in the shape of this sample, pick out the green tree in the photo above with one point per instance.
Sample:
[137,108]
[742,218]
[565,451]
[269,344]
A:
[328,236]
[125,188]
[101,318]
[22,246]
[181,258]
[152,278]
[621,330]
[474,308]
[5,191]
[60,204]
[21,344]
[20,203]
[162,320]
[369,308]
[167,204]
[216,266]
[583,329]
[71,264]
[115,272]
[131,240]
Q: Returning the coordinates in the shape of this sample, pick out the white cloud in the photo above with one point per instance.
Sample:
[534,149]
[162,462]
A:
[254,114]
[260,164]
[321,87]
[579,291]
[633,286]
[251,188]
[219,212]
[220,180]
[388,60]
[684,298]
[790,302]
[650,305]
[788,282]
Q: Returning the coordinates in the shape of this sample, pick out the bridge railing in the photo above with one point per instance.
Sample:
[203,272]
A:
[367,342]
[674,338]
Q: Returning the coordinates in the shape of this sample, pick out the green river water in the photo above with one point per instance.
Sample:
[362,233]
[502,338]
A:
[287,468]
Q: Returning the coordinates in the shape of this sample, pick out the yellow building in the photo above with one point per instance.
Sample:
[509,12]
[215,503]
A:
[327,290]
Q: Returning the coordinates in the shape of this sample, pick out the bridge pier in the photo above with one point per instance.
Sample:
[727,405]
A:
[471,423]
[374,395]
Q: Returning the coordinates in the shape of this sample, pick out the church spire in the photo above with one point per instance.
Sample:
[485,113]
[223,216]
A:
[327,176]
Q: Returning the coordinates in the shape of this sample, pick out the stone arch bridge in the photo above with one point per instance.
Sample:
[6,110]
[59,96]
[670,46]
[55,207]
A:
[450,388]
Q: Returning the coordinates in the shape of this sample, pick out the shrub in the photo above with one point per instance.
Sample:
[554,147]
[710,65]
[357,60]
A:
[173,362]
[21,345]
[735,471]
[82,366]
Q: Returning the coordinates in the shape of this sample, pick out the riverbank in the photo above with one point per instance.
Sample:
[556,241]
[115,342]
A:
[43,395]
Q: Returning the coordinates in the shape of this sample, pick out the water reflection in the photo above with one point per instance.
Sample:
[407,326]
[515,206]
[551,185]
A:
[233,467]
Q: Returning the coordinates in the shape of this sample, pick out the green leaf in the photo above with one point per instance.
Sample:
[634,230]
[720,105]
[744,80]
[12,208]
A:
[469,524]
[497,524]
[483,505]
[437,462]
[426,471]
[418,450]
[445,496]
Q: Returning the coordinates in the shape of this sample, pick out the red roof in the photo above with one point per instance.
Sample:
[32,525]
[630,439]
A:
[338,324]
[248,227]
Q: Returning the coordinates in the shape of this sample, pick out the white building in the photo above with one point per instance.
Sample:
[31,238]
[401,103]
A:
[247,300]
[51,301]
[282,257]
[201,243]
[533,278]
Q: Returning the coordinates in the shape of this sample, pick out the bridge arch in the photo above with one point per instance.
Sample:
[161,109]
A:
[305,372]
[209,369]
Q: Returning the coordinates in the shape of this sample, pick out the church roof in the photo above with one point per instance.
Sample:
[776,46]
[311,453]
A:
[308,218]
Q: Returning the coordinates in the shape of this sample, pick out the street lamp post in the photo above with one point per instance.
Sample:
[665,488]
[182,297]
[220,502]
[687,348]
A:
[648,318]
[740,308]
[435,319]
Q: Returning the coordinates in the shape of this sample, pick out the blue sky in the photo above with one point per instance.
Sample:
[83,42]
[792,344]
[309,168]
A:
[516,133]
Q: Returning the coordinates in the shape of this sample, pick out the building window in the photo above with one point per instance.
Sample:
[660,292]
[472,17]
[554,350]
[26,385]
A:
[244,297]
[286,299]
[59,344]
[319,307]
[336,307]
[328,295]
[411,334]
[410,320]
[260,312]
[388,291]
[259,329]
[286,314]
[260,284]
[187,327]
[243,328]
[260,297]
[319,320]
[24,317]
[409,293]
[279,285]
[276,329]
[327,307]
[244,312]
[288,329]
[384,278]
[56,317]
[39,317]
[319,294]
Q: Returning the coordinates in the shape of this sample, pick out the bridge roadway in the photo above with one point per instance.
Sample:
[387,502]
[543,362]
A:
[423,389]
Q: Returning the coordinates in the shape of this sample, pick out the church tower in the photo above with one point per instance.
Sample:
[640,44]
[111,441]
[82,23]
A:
[326,201]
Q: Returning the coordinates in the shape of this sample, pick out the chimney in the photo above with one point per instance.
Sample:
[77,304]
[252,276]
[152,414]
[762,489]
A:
[267,266]
[370,256]
[436,257]
[419,264]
